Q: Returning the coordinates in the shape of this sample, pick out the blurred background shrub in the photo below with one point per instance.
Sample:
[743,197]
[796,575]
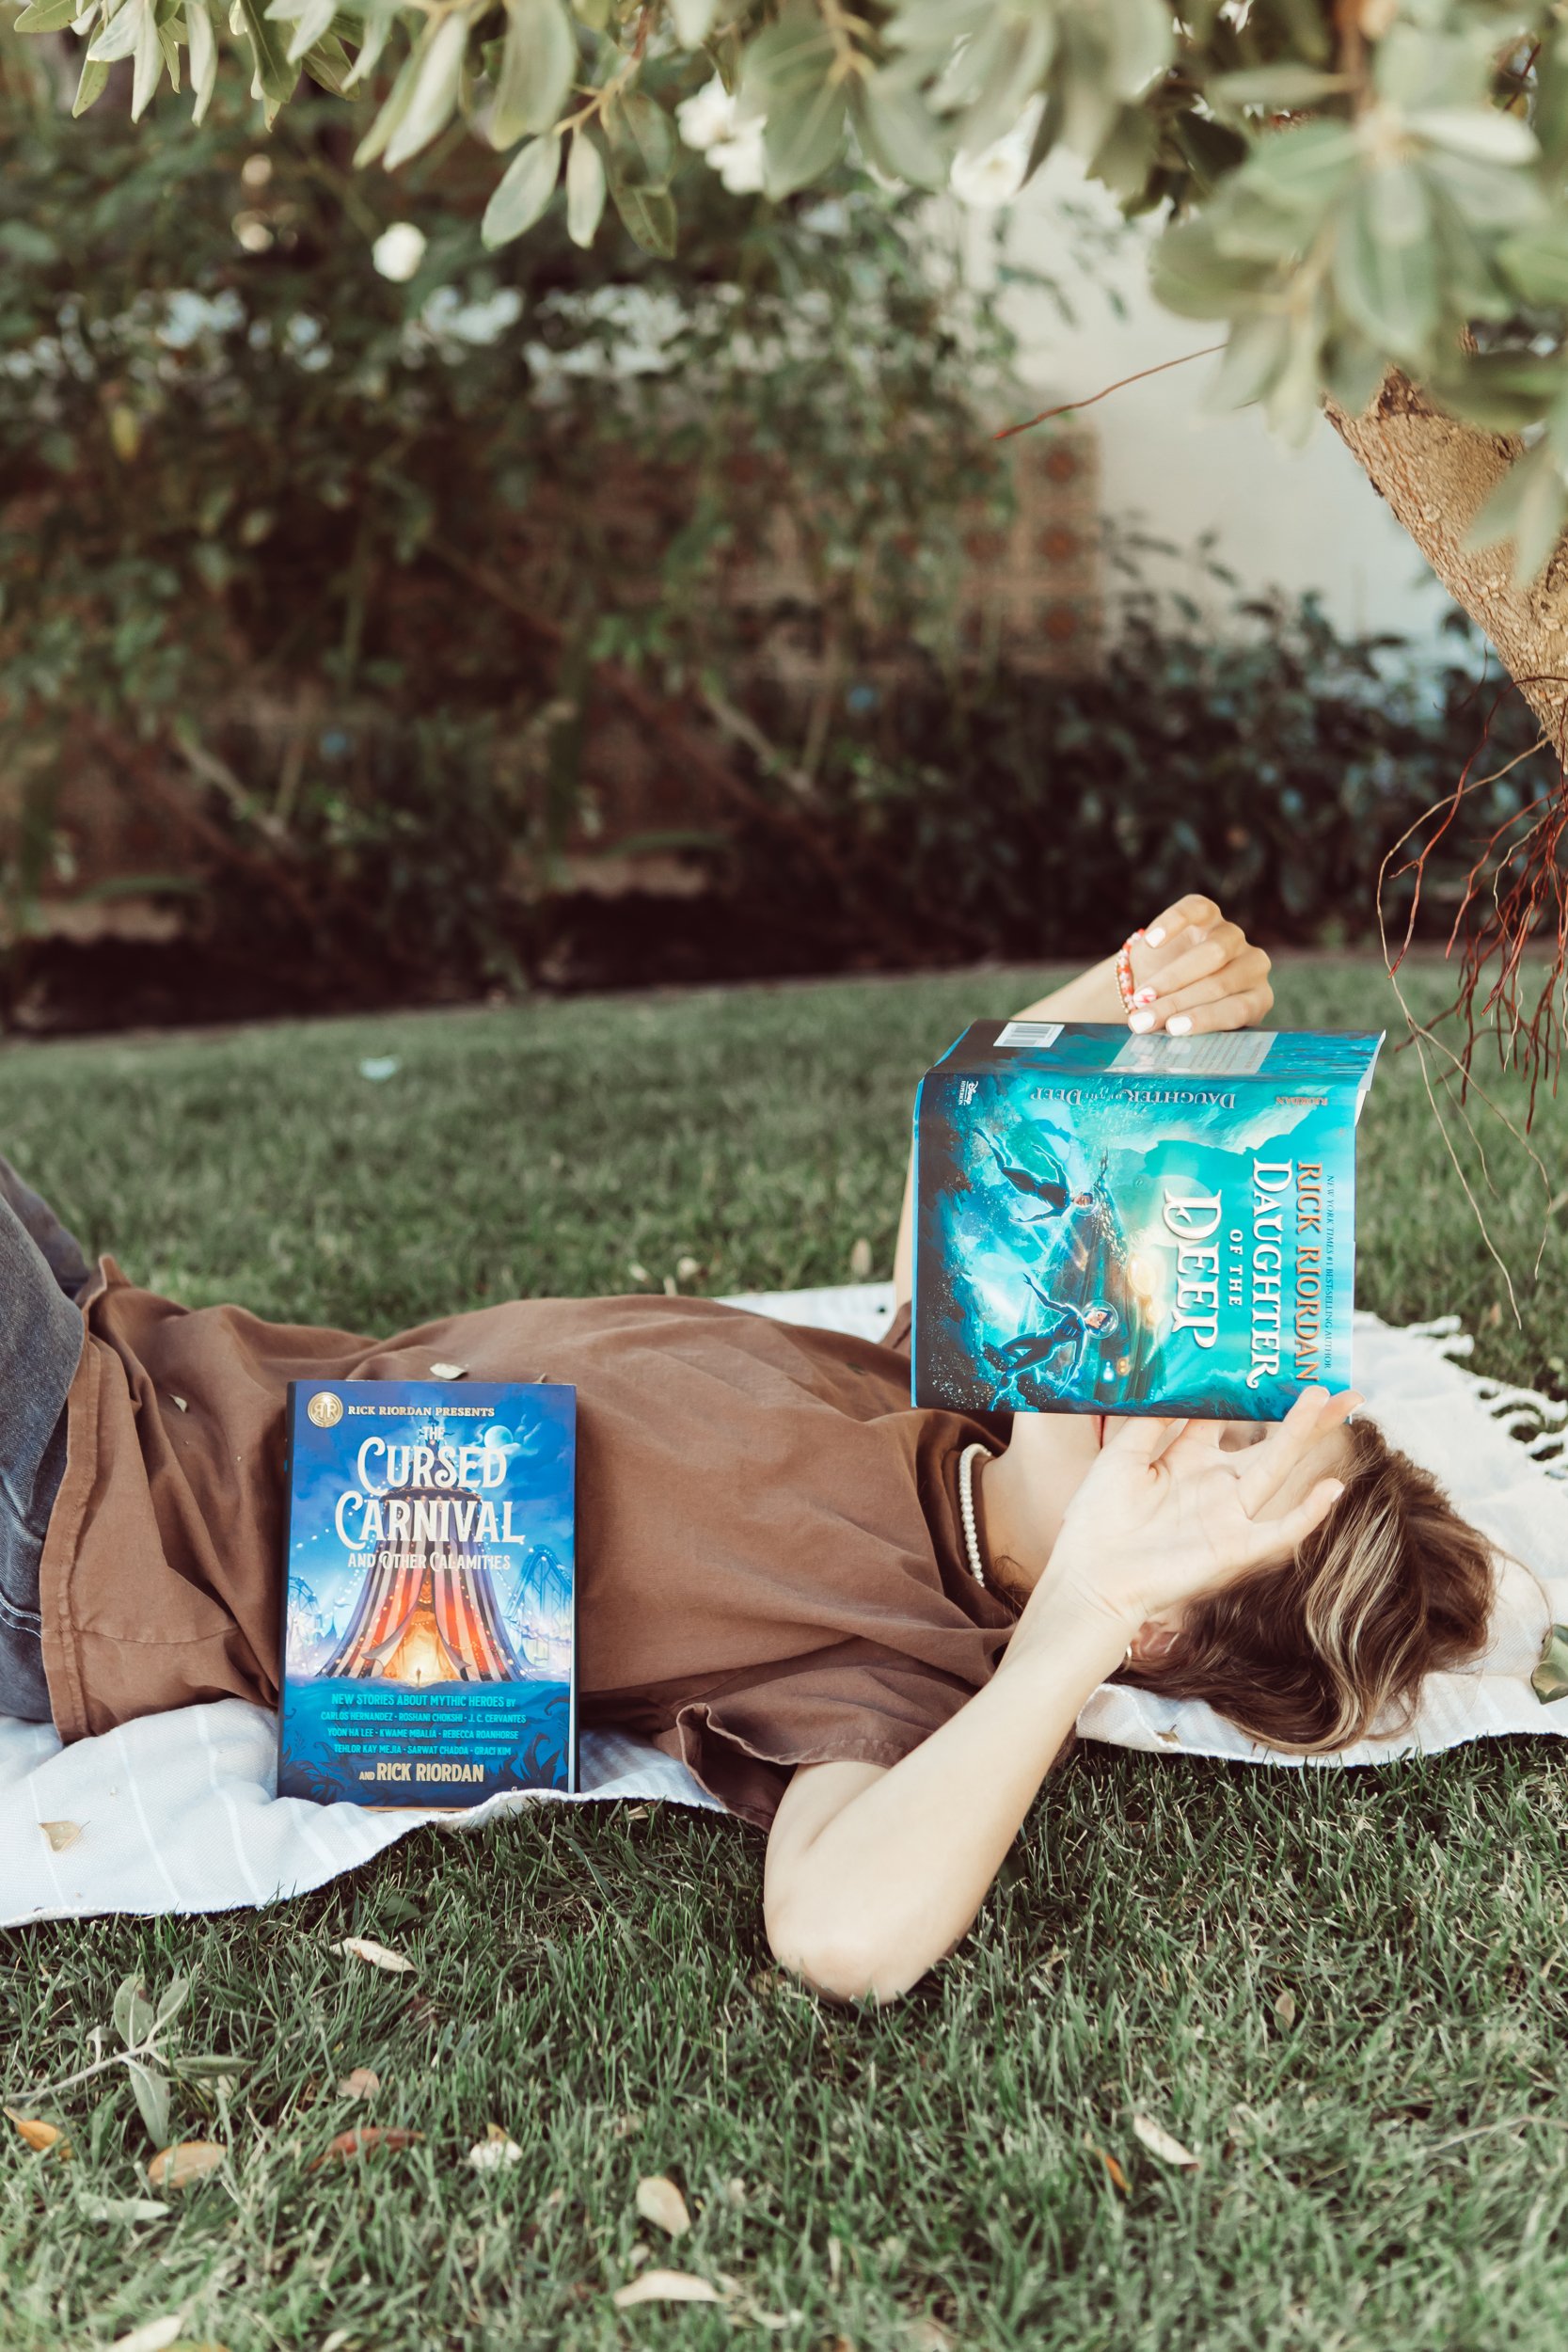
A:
[384,619]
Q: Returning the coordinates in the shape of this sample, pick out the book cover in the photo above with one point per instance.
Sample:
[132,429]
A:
[1110,1223]
[429,1634]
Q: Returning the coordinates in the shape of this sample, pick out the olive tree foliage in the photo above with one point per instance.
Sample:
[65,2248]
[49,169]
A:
[1355,186]
[1370,195]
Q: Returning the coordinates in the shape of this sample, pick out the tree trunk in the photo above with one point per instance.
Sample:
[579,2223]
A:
[1434,473]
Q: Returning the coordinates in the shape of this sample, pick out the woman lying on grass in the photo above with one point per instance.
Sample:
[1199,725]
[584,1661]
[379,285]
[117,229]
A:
[774,1579]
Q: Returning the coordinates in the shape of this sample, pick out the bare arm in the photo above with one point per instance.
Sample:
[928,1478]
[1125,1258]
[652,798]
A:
[1092,996]
[1199,972]
[874,1875]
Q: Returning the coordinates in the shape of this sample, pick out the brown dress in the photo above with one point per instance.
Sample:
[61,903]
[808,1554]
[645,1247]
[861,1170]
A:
[770,1569]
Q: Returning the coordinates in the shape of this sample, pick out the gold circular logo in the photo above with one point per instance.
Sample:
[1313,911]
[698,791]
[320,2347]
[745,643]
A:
[326,1410]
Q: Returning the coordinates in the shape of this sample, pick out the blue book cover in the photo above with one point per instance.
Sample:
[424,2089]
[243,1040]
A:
[429,1634]
[1110,1223]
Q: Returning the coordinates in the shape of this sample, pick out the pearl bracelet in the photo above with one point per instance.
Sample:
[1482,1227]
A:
[966,1510]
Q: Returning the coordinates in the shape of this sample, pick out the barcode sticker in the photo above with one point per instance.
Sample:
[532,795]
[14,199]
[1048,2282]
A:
[1038,1034]
[1223,1053]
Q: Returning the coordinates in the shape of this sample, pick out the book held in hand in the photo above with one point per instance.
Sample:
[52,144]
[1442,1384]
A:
[429,1635]
[1117,1224]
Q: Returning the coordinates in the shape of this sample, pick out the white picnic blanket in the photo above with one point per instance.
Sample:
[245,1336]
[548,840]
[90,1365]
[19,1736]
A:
[177,1813]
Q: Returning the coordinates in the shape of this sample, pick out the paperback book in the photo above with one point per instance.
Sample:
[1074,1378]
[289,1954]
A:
[429,1634]
[1117,1224]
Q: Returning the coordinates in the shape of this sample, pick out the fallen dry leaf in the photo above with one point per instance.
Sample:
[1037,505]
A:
[188,2160]
[495,2151]
[665,2286]
[926,2334]
[1160,2143]
[860,1260]
[62,1833]
[38,2133]
[1285,2009]
[660,2200]
[374,1955]
[363,2138]
[154,2335]
[362,2083]
[1114,2172]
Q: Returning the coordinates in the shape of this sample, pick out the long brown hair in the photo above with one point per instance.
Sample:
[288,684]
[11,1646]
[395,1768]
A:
[1316,1653]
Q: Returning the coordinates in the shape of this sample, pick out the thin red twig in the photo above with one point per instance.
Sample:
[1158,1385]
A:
[1067,407]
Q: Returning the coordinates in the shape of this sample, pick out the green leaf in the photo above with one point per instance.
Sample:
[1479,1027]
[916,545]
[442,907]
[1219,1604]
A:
[802,137]
[786,64]
[1189,274]
[523,193]
[1549,116]
[642,145]
[172,2001]
[1482,133]
[539,63]
[1282,85]
[92,87]
[204,58]
[1127,153]
[1487,196]
[328,65]
[1254,353]
[649,216]
[378,23]
[274,73]
[1386,263]
[693,20]
[898,131]
[24,243]
[585,189]
[1536,265]
[1305,165]
[1294,398]
[48,16]
[1353,370]
[391,114]
[133,2012]
[120,36]
[433,99]
[151,2093]
[1139,43]
[310,19]
[1550,1680]
[1528,508]
[1017,60]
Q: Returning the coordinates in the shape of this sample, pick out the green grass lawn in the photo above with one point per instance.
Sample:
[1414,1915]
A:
[1346,1992]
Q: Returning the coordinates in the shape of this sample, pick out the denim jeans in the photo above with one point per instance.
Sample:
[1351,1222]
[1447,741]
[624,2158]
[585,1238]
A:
[43,1272]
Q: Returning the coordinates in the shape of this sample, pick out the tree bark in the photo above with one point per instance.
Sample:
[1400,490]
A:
[1434,472]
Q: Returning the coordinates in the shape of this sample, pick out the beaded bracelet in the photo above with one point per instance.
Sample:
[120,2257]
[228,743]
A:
[1124,969]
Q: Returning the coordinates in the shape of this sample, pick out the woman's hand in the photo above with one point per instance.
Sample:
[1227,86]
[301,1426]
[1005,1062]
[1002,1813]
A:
[1168,1513]
[1192,971]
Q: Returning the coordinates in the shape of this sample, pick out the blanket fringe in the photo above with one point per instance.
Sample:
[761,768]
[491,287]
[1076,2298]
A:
[1520,1411]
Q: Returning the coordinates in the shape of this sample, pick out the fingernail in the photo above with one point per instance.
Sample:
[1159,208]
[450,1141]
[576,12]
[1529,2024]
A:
[1140,1022]
[1156,937]
[1144,996]
[1179,1024]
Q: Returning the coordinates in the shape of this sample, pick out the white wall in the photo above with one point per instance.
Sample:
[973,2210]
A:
[1296,519]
